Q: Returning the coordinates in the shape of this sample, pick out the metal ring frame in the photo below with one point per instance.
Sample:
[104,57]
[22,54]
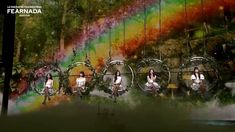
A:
[117,62]
[196,61]
[45,66]
[152,63]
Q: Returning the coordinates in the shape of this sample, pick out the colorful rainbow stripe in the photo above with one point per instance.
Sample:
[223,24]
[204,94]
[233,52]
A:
[173,19]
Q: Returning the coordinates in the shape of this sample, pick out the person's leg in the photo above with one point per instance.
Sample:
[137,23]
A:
[73,89]
[48,96]
[156,86]
[50,92]
[148,87]
[79,92]
[45,95]
[193,89]
[196,90]
[152,88]
[115,92]
[111,95]
[202,88]
[155,90]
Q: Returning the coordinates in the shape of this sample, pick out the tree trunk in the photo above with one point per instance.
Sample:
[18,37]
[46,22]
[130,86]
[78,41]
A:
[18,48]
[62,33]
[18,38]
[19,42]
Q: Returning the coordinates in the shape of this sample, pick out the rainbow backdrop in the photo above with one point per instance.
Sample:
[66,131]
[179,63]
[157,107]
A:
[173,19]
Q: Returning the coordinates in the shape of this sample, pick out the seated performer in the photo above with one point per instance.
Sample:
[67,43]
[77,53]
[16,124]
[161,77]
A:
[48,90]
[151,82]
[197,79]
[117,80]
[81,82]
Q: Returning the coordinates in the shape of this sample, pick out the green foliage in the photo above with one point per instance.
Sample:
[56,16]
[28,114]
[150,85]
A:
[39,34]
[226,97]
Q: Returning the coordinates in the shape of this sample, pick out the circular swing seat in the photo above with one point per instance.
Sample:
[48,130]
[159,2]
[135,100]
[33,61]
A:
[78,67]
[38,74]
[161,70]
[107,75]
[207,65]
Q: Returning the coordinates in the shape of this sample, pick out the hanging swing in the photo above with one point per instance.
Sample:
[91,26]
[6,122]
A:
[72,78]
[159,67]
[124,80]
[72,73]
[39,73]
[208,75]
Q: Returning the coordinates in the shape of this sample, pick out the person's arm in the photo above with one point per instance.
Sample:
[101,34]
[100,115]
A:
[84,82]
[119,80]
[193,78]
[79,82]
[154,78]
[202,77]
[149,80]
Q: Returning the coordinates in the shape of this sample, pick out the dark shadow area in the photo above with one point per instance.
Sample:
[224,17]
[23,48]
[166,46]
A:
[159,116]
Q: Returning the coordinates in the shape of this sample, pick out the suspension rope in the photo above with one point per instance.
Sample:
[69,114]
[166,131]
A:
[110,33]
[124,25]
[186,28]
[87,30]
[145,20]
[205,26]
[186,13]
[160,19]
[160,26]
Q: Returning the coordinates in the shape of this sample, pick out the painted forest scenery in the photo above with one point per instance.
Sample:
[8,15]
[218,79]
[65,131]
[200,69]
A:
[124,53]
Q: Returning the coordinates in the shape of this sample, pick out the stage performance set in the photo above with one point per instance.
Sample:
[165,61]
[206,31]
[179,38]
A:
[120,54]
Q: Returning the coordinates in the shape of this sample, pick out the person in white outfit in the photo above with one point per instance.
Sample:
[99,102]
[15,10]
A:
[81,83]
[117,83]
[48,88]
[151,82]
[197,79]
